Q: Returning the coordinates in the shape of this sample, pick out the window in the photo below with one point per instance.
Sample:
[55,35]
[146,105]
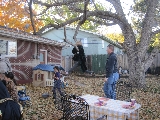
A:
[102,43]
[8,48]
[84,42]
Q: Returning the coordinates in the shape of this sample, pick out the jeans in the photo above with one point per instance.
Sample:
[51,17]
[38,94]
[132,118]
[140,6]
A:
[57,85]
[109,86]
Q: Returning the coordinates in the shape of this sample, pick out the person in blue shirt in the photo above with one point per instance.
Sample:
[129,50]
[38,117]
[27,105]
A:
[57,82]
[112,74]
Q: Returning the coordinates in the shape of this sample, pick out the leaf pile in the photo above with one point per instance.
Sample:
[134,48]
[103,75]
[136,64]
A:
[41,108]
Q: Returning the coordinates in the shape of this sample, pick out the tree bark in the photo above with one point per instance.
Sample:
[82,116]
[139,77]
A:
[136,71]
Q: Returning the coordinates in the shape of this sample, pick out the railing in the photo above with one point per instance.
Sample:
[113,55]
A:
[49,82]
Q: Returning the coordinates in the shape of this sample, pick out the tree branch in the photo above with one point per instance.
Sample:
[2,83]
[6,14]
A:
[65,39]
[147,27]
[118,7]
[83,19]
[65,2]
[151,57]
[42,11]
[31,16]
[59,25]
[94,5]
[102,22]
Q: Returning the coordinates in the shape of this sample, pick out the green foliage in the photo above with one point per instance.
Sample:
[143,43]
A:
[140,6]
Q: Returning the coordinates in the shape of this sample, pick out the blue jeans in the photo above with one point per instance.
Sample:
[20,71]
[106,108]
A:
[109,86]
[57,85]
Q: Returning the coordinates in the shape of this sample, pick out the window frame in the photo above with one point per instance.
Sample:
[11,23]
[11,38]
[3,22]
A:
[9,40]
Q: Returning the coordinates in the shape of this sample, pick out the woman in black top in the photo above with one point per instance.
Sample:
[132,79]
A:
[79,58]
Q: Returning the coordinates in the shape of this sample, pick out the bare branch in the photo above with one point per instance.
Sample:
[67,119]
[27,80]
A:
[117,6]
[65,2]
[59,25]
[102,22]
[83,19]
[147,26]
[31,16]
[149,61]
[94,5]
[65,39]
[76,32]
[65,36]
[42,12]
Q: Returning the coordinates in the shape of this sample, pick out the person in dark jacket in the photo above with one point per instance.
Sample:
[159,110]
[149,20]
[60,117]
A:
[10,109]
[79,58]
[111,73]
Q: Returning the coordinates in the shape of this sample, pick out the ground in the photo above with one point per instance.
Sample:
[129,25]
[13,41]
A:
[44,108]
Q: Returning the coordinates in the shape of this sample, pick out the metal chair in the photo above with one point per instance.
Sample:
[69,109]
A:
[75,108]
[123,90]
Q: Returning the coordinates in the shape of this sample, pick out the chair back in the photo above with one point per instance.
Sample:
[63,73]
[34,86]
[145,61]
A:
[75,108]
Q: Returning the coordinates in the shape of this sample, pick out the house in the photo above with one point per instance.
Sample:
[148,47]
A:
[41,74]
[26,51]
[93,43]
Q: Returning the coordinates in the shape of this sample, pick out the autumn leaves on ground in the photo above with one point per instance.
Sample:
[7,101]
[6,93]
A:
[43,109]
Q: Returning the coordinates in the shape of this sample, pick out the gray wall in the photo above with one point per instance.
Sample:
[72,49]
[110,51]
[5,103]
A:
[94,42]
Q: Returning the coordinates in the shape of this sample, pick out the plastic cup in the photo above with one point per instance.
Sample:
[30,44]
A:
[133,101]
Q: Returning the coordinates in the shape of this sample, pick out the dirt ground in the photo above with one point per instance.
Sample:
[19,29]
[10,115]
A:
[44,109]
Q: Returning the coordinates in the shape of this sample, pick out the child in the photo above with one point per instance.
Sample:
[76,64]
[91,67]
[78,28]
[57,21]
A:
[57,82]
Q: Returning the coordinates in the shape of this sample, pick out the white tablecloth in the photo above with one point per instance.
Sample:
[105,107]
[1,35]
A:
[113,109]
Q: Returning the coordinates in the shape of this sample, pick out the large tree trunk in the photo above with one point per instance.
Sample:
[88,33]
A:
[136,71]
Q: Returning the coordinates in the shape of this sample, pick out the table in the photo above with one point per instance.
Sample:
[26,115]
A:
[113,109]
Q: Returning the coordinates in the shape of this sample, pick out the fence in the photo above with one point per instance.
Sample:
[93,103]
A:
[96,63]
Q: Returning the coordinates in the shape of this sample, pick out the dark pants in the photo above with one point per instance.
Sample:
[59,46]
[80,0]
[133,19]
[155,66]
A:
[57,85]
[83,67]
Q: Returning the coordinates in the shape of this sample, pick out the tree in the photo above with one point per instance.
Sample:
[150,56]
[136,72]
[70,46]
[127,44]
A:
[111,15]
[15,14]
[116,37]
[140,8]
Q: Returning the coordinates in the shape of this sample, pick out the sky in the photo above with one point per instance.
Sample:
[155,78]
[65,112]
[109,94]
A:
[116,29]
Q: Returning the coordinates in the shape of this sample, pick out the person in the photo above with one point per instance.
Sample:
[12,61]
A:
[11,85]
[111,73]
[57,82]
[79,58]
[10,109]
